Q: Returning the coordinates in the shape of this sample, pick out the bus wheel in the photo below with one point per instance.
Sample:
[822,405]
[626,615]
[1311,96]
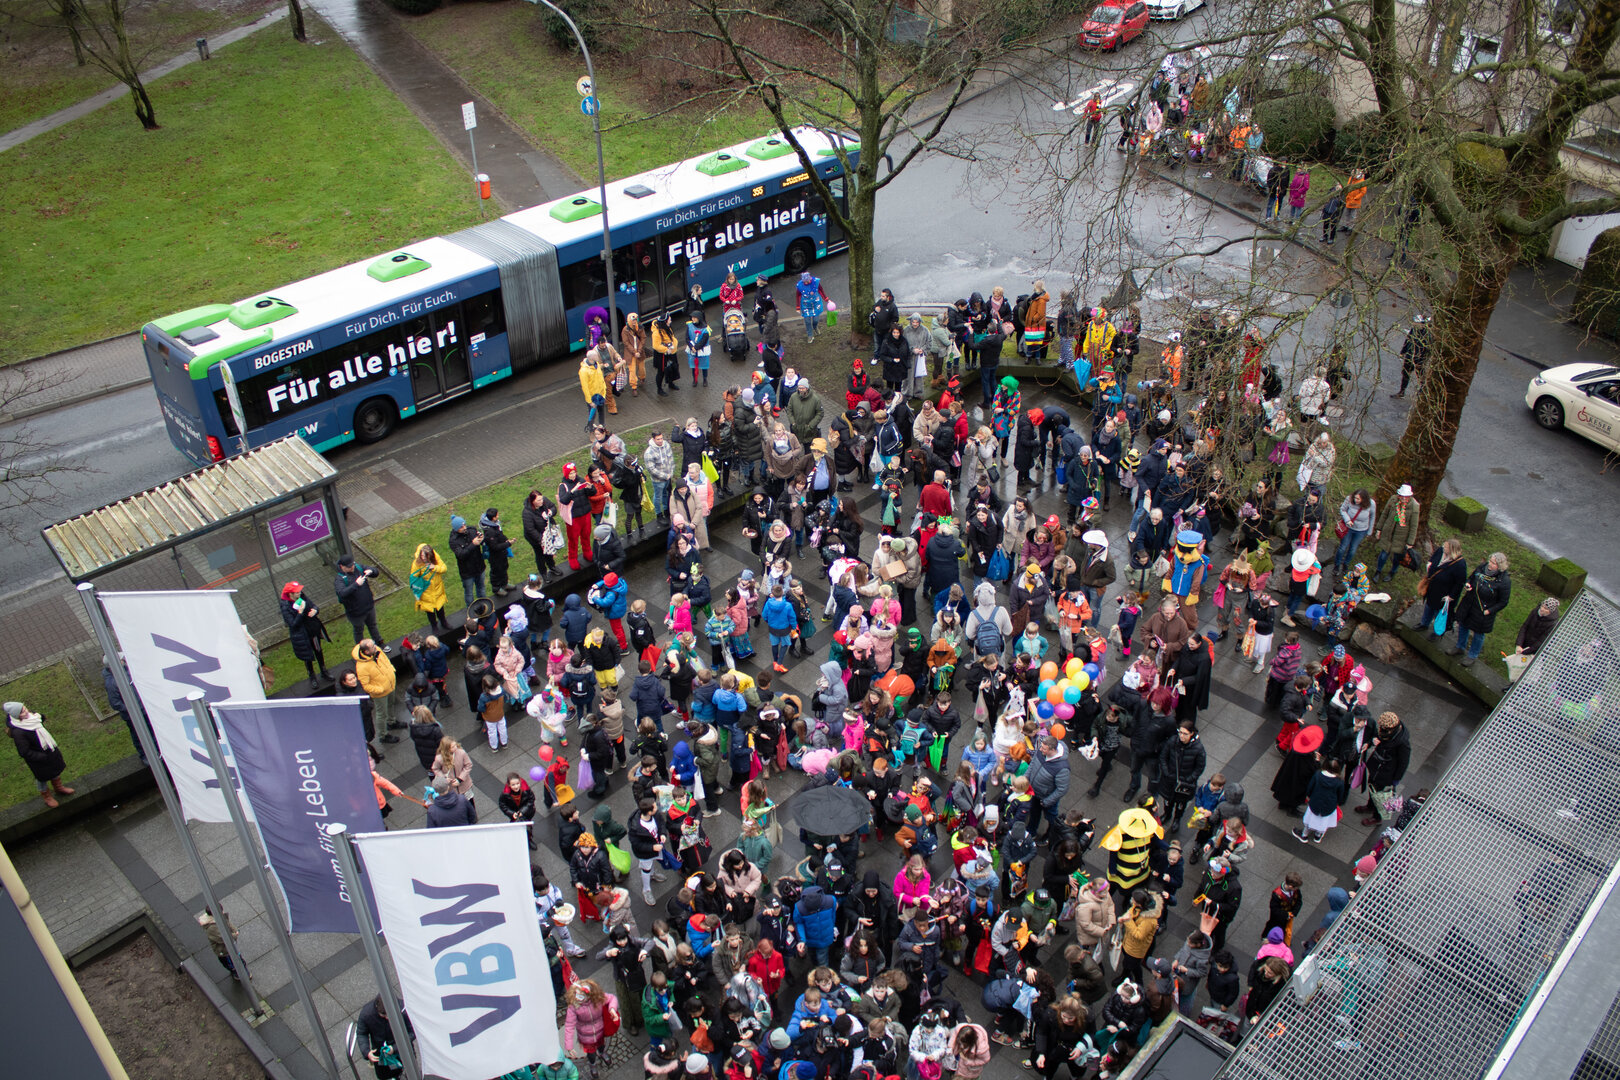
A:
[374,420]
[799,255]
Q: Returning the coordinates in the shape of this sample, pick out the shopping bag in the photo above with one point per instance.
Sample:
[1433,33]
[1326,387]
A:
[586,777]
[1248,639]
[1515,665]
[1220,595]
[667,857]
[610,1021]
[1441,620]
[936,752]
[620,858]
[998,566]
[646,499]
[1116,946]
[708,468]
[697,787]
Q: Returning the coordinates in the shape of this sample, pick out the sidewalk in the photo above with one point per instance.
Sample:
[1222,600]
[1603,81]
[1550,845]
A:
[18,136]
[520,175]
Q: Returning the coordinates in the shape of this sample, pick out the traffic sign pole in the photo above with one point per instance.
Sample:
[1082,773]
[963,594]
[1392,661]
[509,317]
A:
[469,120]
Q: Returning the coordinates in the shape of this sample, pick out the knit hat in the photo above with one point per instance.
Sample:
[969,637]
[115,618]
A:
[602,532]
[1338,652]
[1275,935]
[779,1039]
[611,579]
[697,1063]
[457,522]
[913,813]
[804,1071]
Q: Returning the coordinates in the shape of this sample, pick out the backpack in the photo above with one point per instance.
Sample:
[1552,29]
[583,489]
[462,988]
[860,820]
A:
[987,637]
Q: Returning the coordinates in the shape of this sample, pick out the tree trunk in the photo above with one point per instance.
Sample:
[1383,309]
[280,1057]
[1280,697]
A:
[143,104]
[295,14]
[862,215]
[1458,333]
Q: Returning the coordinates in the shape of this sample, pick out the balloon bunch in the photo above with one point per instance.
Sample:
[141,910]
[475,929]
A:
[1060,689]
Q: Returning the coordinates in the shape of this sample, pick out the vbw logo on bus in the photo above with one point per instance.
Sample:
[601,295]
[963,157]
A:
[491,966]
[354,370]
[697,248]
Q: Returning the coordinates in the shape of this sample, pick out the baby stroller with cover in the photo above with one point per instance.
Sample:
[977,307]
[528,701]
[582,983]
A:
[735,336]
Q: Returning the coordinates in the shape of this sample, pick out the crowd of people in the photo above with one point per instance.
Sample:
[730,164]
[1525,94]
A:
[963,650]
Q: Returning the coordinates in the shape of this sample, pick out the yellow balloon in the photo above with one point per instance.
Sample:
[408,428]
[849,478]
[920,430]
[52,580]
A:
[1073,667]
[1082,680]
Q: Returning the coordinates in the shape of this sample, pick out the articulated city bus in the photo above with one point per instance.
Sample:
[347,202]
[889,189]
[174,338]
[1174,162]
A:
[347,354]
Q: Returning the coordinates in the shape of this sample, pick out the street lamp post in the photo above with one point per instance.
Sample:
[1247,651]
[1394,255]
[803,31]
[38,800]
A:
[601,169]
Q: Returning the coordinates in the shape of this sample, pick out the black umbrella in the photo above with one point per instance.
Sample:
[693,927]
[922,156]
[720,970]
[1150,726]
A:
[831,811]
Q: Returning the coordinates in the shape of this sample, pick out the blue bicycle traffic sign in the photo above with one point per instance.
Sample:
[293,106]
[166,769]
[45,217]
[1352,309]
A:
[588,105]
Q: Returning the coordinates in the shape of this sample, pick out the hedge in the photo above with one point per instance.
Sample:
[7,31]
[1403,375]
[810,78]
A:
[1297,127]
[1597,293]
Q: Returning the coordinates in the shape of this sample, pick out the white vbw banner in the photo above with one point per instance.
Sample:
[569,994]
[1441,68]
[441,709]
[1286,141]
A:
[175,643]
[457,908]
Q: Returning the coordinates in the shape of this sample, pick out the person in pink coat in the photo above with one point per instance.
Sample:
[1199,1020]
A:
[1298,188]
[591,1011]
[911,884]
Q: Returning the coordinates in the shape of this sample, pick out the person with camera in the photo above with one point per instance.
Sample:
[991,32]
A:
[353,588]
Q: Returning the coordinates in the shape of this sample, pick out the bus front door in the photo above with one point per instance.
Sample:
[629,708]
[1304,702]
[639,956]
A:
[440,371]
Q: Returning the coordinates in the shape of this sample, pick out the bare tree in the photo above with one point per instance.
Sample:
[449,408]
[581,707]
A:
[838,66]
[99,31]
[1465,107]
[295,15]
[31,469]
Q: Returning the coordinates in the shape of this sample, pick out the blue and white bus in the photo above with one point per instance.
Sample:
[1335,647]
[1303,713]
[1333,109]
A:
[347,354]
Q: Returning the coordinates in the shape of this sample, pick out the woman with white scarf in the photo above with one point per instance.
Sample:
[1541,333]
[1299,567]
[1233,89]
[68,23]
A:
[38,750]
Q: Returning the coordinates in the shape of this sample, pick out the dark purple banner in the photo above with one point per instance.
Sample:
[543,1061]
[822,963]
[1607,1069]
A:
[303,765]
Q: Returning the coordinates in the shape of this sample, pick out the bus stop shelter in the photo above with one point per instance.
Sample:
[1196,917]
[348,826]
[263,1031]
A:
[260,517]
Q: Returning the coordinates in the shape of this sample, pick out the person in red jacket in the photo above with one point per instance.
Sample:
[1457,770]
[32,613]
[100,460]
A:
[766,965]
[936,497]
[574,503]
[855,393]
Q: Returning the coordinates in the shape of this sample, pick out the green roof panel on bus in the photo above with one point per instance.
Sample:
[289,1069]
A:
[720,164]
[252,314]
[849,148]
[576,209]
[766,149]
[199,365]
[191,318]
[398,265]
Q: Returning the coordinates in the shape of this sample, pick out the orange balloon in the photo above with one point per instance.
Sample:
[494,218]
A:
[1058,731]
[1055,695]
[1049,670]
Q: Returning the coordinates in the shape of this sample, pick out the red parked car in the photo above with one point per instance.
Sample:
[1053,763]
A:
[1112,24]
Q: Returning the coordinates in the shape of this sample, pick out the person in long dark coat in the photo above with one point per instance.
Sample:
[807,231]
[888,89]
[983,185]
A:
[305,631]
[1192,672]
[38,750]
[1288,786]
[1026,442]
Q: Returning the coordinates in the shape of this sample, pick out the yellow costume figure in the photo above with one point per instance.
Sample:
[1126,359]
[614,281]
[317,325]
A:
[1128,845]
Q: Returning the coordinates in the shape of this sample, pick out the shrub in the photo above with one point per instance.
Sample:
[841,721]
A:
[1364,142]
[589,15]
[1597,293]
[1297,127]
[413,7]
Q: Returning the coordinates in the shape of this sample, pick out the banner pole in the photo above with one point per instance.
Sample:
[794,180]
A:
[272,914]
[154,761]
[343,846]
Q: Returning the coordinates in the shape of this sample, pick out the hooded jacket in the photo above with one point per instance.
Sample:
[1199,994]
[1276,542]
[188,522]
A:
[815,917]
[834,699]
[575,620]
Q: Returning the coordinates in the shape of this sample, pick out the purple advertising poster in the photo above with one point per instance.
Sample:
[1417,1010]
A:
[299,528]
[303,765]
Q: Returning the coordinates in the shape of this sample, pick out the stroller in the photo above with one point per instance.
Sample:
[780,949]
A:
[735,335]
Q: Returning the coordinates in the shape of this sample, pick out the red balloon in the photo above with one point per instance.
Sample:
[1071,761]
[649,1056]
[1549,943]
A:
[545,754]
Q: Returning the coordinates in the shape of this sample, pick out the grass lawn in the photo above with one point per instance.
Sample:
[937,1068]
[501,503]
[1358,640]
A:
[394,547]
[275,161]
[40,75]
[87,743]
[502,50]
[1523,563]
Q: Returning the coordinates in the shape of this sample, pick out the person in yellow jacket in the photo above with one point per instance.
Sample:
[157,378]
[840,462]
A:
[666,349]
[593,386]
[1098,345]
[427,585]
[376,674]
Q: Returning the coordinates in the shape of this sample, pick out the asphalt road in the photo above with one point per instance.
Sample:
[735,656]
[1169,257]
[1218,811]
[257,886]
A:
[950,225]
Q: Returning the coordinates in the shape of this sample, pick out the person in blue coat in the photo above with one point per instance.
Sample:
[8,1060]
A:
[575,621]
[816,918]
[683,763]
[809,1012]
[781,618]
[813,302]
[611,596]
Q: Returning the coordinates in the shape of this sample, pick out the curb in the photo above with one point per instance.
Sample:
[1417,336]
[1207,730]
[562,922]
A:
[72,399]
[99,791]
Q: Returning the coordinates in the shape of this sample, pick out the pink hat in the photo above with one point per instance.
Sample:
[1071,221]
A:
[1365,866]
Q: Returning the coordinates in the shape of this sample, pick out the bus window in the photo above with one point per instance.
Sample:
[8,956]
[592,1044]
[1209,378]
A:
[484,315]
[226,417]
[584,282]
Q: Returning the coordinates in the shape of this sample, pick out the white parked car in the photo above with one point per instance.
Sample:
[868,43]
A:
[1171,9]
[1581,397]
